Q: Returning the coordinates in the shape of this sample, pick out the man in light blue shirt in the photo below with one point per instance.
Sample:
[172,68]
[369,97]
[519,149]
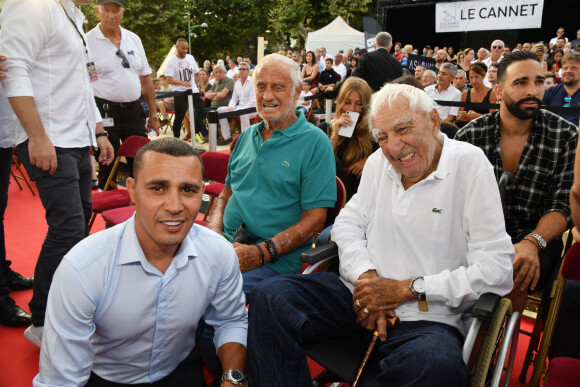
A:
[124,303]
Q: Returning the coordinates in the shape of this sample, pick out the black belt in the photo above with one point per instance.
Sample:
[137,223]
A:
[118,104]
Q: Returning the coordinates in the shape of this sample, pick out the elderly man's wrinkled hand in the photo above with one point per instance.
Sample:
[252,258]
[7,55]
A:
[248,256]
[381,293]
[526,266]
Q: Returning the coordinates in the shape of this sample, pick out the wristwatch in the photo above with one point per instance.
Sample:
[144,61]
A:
[102,134]
[541,241]
[418,288]
[234,376]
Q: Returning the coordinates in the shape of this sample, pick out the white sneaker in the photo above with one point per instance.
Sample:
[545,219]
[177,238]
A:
[34,335]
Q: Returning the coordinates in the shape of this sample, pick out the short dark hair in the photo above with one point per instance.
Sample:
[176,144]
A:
[329,60]
[166,145]
[511,58]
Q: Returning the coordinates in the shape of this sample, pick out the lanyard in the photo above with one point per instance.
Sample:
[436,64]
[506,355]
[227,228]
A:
[75,27]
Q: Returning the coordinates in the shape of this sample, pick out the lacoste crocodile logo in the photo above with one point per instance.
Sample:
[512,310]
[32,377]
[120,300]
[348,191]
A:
[436,210]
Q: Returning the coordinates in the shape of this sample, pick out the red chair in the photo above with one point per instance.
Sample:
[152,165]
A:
[215,166]
[116,198]
[570,270]
[564,372]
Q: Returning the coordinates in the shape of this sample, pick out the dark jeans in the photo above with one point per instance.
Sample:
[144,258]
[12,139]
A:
[205,333]
[5,166]
[66,197]
[188,373]
[181,106]
[290,310]
[128,122]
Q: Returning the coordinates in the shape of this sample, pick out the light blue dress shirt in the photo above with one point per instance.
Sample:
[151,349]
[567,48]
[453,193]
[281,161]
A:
[110,311]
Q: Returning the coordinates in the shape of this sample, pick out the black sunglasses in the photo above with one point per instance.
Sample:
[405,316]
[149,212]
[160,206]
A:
[124,60]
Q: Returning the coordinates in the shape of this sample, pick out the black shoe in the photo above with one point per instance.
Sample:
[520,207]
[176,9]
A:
[18,282]
[11,315]
[225,142]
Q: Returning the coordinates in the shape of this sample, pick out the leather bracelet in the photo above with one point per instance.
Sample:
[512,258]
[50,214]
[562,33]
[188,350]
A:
[272,250]
[532,242]
[261,253]
[102,134]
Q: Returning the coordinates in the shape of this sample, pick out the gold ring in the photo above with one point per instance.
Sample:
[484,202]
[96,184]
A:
[357,303]
[366,310]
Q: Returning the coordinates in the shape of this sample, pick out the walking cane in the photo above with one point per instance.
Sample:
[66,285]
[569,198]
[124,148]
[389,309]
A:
[392,322]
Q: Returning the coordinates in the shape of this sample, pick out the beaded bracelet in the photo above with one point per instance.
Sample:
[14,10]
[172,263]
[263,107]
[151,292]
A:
[261,253]
[272,250]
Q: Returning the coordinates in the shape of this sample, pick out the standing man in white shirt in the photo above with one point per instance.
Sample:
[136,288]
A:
[50,91]
[495,57]
[444,91]
[123,73]
[233,69]
[244,97]
[182,72]
[339,67]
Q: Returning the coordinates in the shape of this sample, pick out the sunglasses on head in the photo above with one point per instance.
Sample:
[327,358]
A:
[124,60]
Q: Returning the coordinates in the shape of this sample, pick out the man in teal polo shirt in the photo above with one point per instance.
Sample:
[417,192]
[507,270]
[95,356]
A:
[281,179]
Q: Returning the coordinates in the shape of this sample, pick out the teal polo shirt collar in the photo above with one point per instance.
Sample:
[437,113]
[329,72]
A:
[293,130]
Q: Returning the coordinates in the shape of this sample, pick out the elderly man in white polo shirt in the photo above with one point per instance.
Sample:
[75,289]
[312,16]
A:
[243,97]
[123,71]
[444,91]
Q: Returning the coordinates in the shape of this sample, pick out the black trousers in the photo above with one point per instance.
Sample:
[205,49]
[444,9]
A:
[181,106]
[188,373]
[66,198]
[5,166]
[129,121]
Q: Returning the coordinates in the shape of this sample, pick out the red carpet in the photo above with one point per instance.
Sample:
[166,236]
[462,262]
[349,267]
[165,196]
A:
[25,229]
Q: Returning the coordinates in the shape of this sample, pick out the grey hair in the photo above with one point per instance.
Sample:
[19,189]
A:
[273,60]
[430,72]
[243,64]
[451,67]
[384,39]
[461,71]
[388,94]
[220,66]
[498,40]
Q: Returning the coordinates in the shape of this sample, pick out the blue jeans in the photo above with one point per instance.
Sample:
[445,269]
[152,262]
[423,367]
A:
[289,310]
[66,198]
[5,166]
[205,333]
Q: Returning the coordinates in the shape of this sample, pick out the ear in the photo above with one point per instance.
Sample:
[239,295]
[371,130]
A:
[436,119]
[499,92]
[297,92]
[131,188]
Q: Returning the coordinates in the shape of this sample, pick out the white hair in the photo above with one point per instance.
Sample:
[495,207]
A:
[389,93]
[220,66]
[275,60]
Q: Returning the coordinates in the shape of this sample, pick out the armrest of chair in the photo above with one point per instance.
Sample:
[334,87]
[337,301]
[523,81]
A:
[485,305]
[319,254]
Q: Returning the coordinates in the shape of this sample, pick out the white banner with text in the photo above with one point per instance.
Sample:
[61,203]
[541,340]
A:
[488,15]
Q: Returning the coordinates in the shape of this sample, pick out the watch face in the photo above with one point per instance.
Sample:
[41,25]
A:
[419,285]
[237,376]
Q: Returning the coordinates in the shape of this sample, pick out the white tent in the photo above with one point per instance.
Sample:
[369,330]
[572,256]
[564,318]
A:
[334,37]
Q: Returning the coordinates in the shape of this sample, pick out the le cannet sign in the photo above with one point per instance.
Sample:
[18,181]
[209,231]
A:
[488,15]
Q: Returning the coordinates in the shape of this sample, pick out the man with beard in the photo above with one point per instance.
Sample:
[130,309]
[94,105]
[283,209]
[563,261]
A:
[440,57]
[538,148]
[567,93]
